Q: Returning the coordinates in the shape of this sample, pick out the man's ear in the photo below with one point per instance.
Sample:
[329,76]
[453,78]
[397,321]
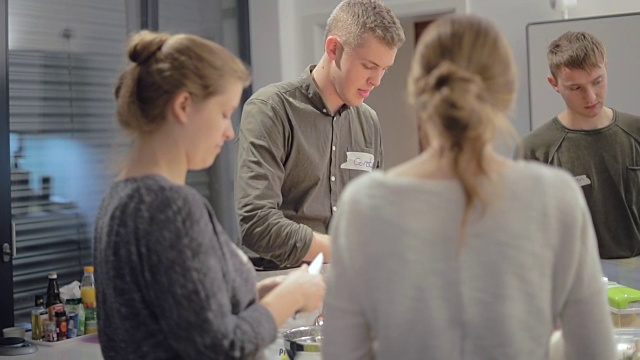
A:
[553,82]
[332,47]
[180,105]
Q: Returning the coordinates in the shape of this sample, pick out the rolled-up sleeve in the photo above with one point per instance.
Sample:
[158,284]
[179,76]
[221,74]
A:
[263,145]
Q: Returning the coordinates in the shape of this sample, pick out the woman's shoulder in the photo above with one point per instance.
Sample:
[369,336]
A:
[545,181]
[530,171]
[154,193]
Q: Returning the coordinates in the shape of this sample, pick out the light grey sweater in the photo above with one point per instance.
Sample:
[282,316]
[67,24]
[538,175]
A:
[399,289]
[171,285]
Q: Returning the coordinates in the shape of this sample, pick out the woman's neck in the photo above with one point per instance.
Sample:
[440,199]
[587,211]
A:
[155,154]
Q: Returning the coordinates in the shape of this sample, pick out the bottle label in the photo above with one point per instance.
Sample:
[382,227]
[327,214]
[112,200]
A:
[52,310]
[62,329]
[50,331]
[72,325]
[91,327]
[36,326]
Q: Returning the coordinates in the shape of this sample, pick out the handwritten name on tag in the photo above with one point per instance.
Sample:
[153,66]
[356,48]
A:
[358,161]
[583,180]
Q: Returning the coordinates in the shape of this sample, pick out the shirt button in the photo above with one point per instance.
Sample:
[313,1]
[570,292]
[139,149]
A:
[333,148]
[333,178]
[335,208]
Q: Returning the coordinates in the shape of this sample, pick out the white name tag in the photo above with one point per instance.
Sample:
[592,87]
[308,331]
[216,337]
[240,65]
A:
[583,180]
[358,161]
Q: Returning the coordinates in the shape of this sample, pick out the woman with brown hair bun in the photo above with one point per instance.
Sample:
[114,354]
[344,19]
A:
[460,252]
[171,284]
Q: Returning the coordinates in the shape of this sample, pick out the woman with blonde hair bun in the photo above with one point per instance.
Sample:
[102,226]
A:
[460,252]
[171,284]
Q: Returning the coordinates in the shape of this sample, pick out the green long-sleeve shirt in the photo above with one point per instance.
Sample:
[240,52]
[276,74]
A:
[294,159]
[606,163]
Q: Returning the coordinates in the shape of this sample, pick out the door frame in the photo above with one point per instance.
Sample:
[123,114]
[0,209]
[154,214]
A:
[6,233]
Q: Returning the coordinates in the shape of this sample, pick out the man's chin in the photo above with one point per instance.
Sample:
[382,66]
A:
[356,102]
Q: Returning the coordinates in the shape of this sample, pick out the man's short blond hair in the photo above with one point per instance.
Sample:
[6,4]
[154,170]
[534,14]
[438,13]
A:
[351,20]
[576,50]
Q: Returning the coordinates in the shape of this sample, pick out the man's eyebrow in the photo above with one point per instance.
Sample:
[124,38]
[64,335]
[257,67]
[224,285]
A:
[374,63]
[590,81]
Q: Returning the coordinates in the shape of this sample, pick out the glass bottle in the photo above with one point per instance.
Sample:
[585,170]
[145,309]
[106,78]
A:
[54,302]
[61,325]
[88,291]
[38,315]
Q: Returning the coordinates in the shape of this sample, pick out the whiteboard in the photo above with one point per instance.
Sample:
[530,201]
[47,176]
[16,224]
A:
[621,37]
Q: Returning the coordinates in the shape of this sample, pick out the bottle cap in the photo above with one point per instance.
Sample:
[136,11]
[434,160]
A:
[88,269]
[53,275]
[61,313]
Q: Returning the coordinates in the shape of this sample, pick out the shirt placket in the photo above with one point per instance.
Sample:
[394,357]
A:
[334,166]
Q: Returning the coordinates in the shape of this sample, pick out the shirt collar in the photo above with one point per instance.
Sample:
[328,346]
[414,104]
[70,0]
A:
[314,93]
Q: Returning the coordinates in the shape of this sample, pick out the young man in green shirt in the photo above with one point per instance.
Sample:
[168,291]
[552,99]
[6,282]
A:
[600,146]
[302,141]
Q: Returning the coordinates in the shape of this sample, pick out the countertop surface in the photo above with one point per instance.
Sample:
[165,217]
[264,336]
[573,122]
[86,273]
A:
[623,271]
[89,349]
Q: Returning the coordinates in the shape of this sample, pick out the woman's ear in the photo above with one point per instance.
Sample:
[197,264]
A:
[180,106]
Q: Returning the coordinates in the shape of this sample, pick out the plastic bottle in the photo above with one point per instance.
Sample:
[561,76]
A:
[38,315]
[88,291]
[74,306]
[54,302]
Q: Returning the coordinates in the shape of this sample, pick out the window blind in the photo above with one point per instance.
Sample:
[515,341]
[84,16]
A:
[64,137]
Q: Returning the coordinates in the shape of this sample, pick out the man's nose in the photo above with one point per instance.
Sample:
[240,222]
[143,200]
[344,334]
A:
[375,80]
[590,95]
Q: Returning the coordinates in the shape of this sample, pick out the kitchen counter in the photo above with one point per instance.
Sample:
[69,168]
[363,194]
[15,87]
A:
[89,349]
[623,271]
[79,349]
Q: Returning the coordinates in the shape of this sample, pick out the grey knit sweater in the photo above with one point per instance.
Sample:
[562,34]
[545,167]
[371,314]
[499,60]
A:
[171,285]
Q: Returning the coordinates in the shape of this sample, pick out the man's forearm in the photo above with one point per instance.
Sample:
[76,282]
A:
[321,243]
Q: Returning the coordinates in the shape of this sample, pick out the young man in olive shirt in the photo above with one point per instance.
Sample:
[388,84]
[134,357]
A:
[301,141]
[598,145]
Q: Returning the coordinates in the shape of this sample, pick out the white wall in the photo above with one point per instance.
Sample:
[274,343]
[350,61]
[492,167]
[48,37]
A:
[286,35]
[301,22]
[398,121]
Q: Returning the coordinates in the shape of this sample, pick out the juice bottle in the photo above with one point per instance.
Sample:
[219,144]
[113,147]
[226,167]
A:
[88,292]
[88,288]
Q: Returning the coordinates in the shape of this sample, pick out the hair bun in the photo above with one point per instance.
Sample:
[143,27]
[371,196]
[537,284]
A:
[145,45]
